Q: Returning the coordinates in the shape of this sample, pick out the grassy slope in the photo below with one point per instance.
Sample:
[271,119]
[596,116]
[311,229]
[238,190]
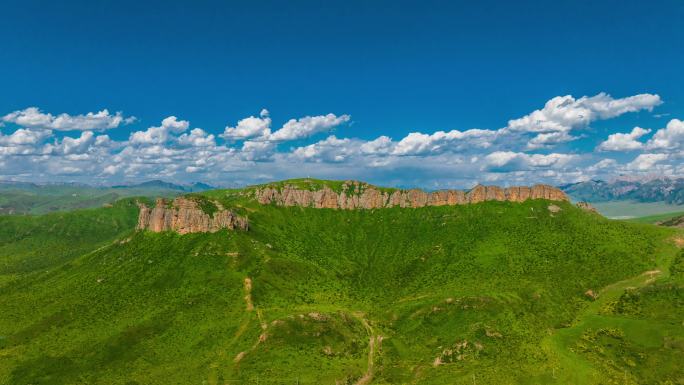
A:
[30,243]
[37,200]
[657,218]
[325,285]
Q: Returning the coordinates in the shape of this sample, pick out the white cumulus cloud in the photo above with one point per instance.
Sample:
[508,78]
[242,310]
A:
[304,127]
[624,141]
[507,161]
[381,145]
[548,139]
[565,113]
[197,138]
[160,134]
[250,127]
[646,162]
[253,149]
[330,149]
[258,150]
[24,136]
[669,138]
[70,146]
[417,143]
[33,117]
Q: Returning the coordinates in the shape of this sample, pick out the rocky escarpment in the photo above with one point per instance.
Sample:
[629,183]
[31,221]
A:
[673,222]
[184,215]
[358,195]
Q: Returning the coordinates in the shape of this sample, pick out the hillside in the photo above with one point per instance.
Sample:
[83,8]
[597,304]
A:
[488,292]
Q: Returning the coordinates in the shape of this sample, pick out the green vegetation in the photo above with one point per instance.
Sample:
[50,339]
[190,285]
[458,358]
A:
[26,198]
[30,243]
[205,204]
[653,219]
[491,293]
[309,184]
[312,184]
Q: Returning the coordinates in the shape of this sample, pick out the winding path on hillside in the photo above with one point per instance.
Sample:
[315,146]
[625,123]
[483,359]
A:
[373,344]
[374,340]
[574,368]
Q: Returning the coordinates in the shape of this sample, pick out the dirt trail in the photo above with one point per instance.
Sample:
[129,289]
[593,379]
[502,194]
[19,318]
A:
[374,342]
[248,294]
[572,366]
[249,307]
[260,318]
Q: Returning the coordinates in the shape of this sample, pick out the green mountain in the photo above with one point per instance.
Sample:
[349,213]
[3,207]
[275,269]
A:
[497,292]
[29,198]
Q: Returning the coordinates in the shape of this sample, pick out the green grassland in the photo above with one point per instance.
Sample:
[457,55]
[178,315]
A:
[43,199]
[653,219]
[490,293]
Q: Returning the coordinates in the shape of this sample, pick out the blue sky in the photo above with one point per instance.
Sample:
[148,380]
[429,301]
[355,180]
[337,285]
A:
[367,74]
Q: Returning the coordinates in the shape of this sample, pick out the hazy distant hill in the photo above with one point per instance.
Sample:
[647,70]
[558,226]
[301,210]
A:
[161,185]
[657,190]
[496,292]
[30,198]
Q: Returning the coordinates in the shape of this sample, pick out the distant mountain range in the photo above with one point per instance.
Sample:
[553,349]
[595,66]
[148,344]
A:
[668,190]
[160,184]
[151,184]
[32,198]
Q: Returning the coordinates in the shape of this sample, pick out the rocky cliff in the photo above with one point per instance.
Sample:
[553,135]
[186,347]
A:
[673,222]
[359,195]
[184,215]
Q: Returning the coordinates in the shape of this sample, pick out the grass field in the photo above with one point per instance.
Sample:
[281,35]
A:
[491,293]
[656,218]
[42,199]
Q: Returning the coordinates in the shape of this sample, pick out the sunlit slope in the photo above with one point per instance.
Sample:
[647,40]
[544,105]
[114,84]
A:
[27,198]
[437,295]
[29,243]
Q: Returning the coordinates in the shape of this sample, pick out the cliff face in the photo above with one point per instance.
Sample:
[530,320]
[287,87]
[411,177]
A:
[184,216]
[358,195]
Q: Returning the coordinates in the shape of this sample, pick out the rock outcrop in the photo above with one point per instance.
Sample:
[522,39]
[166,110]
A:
[672,222]
[184,215]
[587,207]
[359,195]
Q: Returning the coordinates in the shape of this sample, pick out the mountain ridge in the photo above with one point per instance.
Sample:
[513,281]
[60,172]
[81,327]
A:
[668,190]
[18,198]
[201,213]
[356,194]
